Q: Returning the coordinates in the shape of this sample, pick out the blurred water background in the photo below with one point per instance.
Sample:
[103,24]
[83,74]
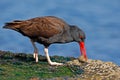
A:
[100,19]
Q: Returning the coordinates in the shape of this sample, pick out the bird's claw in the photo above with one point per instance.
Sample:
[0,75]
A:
[55,64]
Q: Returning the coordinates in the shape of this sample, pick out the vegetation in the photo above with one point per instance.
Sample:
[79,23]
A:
[20,66]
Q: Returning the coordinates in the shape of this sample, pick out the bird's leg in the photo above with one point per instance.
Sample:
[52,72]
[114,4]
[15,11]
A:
[35,54]
[48,58]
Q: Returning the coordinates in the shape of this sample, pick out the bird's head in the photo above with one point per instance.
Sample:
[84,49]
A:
[79,36]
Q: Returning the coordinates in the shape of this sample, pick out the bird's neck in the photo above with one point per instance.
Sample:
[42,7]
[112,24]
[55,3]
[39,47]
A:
[74,33]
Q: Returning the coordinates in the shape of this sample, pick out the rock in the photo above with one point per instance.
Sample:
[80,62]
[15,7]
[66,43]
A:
[97,70]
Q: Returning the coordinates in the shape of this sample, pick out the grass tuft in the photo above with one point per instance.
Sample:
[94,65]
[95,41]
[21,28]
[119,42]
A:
[20,66]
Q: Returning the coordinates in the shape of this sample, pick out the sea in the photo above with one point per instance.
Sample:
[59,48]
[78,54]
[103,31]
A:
[99,19]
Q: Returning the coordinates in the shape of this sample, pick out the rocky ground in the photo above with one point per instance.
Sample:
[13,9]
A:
[93,70]
[97,70]
[73,68]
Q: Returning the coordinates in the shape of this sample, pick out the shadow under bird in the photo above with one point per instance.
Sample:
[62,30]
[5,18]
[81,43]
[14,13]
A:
[48,30]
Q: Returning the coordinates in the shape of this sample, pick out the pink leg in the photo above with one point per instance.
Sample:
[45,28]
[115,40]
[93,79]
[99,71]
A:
[48,58]
[35,54]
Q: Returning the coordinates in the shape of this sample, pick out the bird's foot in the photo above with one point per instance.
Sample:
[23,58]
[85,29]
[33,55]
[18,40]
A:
[55,64]
[35,55]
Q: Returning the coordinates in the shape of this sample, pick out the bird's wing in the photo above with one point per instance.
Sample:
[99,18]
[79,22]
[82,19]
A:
[44,26]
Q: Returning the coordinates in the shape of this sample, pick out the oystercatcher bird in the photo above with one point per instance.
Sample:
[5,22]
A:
[48,30]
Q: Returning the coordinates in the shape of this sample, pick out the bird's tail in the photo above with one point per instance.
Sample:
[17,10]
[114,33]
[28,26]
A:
[13,25]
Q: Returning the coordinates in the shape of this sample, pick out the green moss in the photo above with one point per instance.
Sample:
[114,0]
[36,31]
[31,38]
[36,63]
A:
[22,66]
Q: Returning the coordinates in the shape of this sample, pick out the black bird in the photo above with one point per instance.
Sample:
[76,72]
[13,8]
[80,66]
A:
[48,30]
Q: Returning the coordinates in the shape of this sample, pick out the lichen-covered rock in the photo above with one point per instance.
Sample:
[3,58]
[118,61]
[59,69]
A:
[97,70]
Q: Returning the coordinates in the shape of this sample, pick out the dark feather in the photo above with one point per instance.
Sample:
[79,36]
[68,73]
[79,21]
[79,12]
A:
[41,26]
